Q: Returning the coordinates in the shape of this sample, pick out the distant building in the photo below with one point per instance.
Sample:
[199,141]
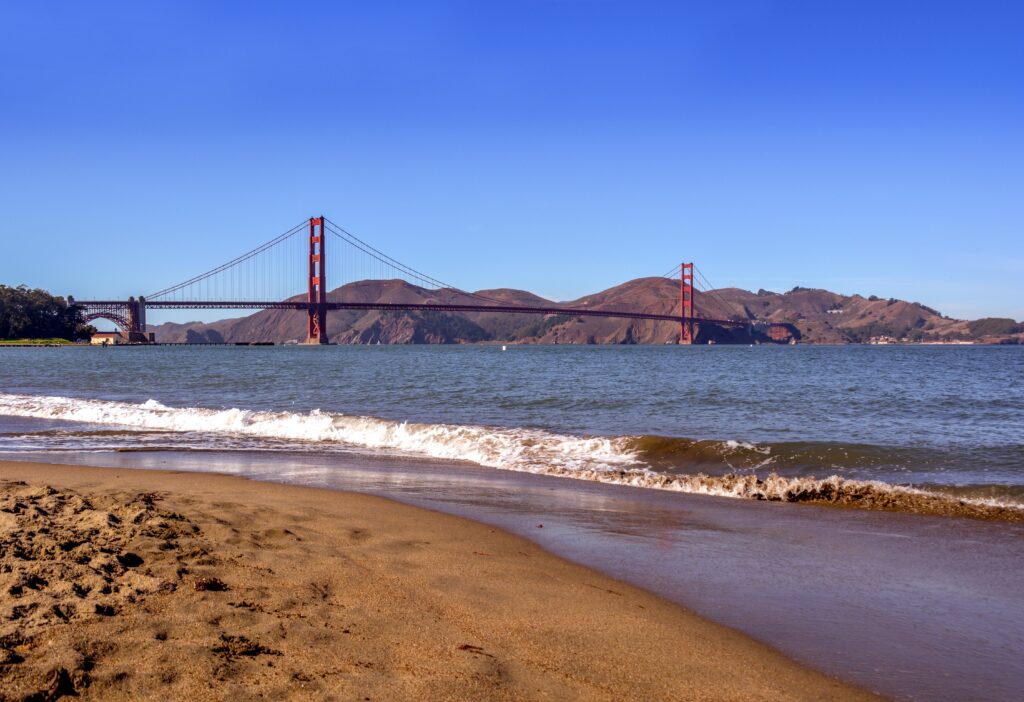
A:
[117,338]
[108,339]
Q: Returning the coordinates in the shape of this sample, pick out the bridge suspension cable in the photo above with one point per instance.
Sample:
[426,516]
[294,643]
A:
[713,291]
[231,265]
[275,270]
[397,266]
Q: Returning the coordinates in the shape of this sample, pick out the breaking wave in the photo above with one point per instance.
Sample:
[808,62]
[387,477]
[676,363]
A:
[646,461]
[520,449]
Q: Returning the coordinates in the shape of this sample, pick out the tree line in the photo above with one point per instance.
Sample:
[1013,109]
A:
[36,314]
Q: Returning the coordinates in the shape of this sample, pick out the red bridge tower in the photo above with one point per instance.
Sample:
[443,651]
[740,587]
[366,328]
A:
[317,310]
[686,303]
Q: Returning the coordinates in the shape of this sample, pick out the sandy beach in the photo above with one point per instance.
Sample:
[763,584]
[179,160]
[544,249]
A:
[125,584]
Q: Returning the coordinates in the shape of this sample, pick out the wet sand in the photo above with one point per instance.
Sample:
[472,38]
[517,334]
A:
[915,607]
[125,584]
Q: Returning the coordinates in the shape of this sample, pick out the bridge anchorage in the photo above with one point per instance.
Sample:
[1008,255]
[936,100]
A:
[268,277]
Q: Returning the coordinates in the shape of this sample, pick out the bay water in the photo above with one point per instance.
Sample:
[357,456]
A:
[912,606]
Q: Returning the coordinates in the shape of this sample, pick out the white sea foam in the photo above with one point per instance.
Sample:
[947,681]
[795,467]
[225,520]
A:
[731,446]
[600,459]
[517,449]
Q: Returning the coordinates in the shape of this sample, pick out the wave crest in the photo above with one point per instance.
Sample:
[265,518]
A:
[519,449]
[631,461]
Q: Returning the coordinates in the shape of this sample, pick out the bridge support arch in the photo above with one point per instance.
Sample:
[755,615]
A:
[317,297]
[129,316]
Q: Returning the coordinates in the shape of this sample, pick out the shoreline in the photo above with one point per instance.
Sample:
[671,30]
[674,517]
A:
[823,586]
[337,592]
[770,471]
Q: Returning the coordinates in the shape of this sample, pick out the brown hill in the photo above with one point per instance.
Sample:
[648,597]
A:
[821,316]
[812,316]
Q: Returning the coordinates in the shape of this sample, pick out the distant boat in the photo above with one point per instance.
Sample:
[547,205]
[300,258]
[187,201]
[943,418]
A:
[504,348]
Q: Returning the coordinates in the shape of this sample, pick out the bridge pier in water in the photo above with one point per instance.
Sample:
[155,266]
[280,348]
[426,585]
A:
[317,297]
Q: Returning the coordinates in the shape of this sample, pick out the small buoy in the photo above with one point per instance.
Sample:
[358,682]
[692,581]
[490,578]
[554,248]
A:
[504,348]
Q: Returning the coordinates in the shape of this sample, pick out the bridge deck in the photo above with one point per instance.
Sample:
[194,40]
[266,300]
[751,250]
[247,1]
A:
[414,307]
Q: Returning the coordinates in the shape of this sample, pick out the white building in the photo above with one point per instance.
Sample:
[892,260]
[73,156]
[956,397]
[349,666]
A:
[107,339]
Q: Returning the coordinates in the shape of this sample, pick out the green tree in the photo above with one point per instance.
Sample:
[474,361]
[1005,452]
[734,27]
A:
[36,314]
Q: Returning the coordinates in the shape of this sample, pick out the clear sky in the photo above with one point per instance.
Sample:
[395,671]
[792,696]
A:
[561,147]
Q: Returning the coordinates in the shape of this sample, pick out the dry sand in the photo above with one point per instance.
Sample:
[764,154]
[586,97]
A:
[120,584]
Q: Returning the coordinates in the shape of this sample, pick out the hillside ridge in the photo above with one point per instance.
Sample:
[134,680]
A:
[808,315]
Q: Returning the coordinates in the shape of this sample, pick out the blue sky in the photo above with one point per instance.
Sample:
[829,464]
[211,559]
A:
[561,147]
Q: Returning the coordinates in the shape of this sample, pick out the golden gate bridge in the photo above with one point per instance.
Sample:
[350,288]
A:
[271,276]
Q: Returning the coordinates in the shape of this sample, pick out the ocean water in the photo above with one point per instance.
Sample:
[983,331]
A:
[749,422]
[915,607]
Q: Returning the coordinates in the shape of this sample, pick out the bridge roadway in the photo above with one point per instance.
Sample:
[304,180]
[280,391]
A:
[413,307]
